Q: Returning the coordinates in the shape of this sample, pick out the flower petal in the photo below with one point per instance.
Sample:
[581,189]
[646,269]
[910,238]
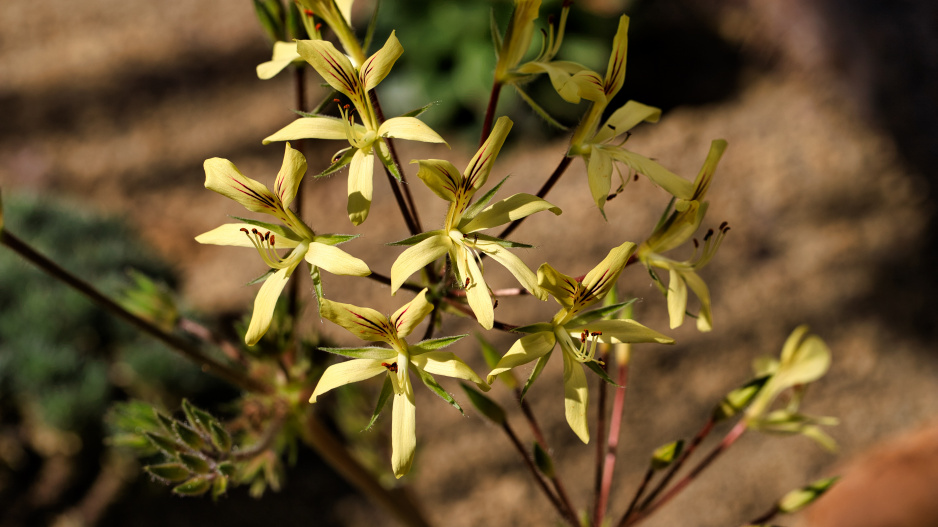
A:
[363,322]
[334,67]
[284,54]
[346,373]
[509,209]
[675,185]
[232,235]
[620,331]
[477,291]
[360,186]
[264,305]
[615,70]
[440,176]
[411,314]
[313,128]
[677,298]
[562,287]
[416,258]
[481,164]
[377,66]
[599,176]
[290,175]
[570,80]
[603,277]
[518,269]
[626,118]
[409,128]
[335,260]
[699,287]
[705,176]
[223,177]
[447,363]
[403,431]
[575,397]
[526,349]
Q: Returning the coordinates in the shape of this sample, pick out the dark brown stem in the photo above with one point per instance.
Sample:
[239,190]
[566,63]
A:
[508,291]
[490,112]
[638,493]
[293,294]
[612,443]
[727,442]
[598,503]
[187,349]
[378,277]
[564,513]
[765,517]
[198,330]
[405,201]
[703,433]
[549,184]
[501,326]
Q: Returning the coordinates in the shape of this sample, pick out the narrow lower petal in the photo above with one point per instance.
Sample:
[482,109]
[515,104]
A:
[509,209]
[677,298]
[518,269]
[403,432]
[284,55]
[699,287]
[346,373]
[360,186]
[674,184]
[363,322]
[291,174]
[411,314]
[599,176]
[416,258]
[526,349]
[705,176]
[575,397]
[377,66]
[448,364]
[264,305]
[477,291]
[335,260]
[620,331]
[409,128]
[223,177]
[625,118]
[312,128]
[232,234]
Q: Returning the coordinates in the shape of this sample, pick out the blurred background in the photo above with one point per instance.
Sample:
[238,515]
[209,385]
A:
[108,109]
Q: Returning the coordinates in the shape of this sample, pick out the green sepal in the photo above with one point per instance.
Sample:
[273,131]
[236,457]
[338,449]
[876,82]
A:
[262,277]
[169,472]
[370,30]
[219,487]
[221,439]
[664,455]
[226,468]
[536,372]
[599,370]
[334,239]
[389,164]
[414,240]
[737,400]
[194,487]
[664,215]
[535,328]
[435,344]
[279,230]
[543,461]
[369,352]
[504,243]
[165,422]
[270,20]
[195,463]
[188,436]
[338,164]
[798,499]
[496,34]
[316,276]
[437,389]
[484,405]
[481,203]
[387,390]
[537,109]
[596,314]
[166,445]
[197,417]
[294,24]
[417,111]
[492,356]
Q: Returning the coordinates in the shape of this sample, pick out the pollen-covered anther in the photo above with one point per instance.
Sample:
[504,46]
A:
[308,12]
[264,243]
[587,350]
[392,367]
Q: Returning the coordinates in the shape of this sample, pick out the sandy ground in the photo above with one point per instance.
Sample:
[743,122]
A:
[827,196]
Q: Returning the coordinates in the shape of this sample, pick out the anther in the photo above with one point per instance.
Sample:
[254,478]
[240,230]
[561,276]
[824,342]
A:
[467,283]
[245,231]
[318,26]
[391,367]
[550,20]
[696,243]
[308,12]
[272,240]
[723,225]
[583,336]
[635,177]
[708,235]
[596,333]
[495,304]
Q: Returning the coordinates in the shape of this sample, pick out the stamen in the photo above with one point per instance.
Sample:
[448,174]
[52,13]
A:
[265,245]
[391,367]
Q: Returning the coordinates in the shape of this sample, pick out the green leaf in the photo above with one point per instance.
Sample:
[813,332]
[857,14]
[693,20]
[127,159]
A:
[435,344]
[543,461]
[188,436]
[226,468]
[437,389]
[538,110]
[417,111]
[195,463]
[596,314]
[798,499]
[197,417]
[219,487]
[295,23]
[167,446]
[370,30]
[368,352]
[269,20]
[194,487]
[737,400]
[481,203]
[171,472]
[484,405]
[496,34]
[599,370]
[536,372]
[221,439]
[663,456]
[414,240]
[165,422]
[387,390]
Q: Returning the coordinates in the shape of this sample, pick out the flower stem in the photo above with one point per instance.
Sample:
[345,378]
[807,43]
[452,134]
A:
[701,435]
[501,326]
[187,349]
[490,112]
[766,516]
[612,443]
[378,277]
[727,442]
[299,88]
[549,184]
[333,452]
[638,493]
[405,202]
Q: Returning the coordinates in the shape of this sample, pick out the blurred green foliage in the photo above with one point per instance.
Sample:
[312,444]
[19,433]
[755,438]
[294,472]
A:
[59,353]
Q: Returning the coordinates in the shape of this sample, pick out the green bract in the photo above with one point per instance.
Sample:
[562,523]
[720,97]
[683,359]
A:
[319,251]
